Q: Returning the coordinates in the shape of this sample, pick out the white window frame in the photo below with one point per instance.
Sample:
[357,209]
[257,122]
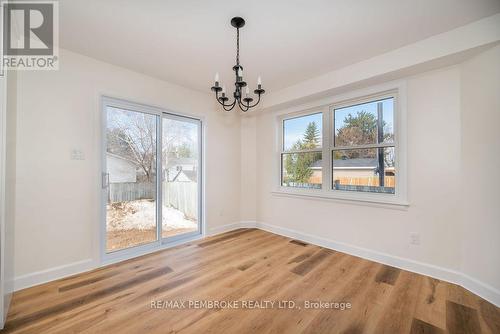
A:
[396,90]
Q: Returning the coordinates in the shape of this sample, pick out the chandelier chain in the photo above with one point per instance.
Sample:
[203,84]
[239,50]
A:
[238,46]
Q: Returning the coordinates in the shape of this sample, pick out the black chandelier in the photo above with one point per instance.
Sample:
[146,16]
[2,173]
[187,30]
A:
[243,102]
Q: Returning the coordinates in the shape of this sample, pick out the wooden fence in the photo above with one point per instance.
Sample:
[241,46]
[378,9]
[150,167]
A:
[182,196]
[372,181]
[131,191]
[365,184]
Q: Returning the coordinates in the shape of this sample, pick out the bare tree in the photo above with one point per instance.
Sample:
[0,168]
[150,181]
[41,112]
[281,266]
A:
[133,136]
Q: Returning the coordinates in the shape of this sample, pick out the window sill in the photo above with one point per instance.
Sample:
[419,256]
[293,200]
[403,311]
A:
[377,200]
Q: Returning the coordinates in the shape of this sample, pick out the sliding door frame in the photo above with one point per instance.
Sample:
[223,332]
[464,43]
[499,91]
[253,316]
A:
[160,242]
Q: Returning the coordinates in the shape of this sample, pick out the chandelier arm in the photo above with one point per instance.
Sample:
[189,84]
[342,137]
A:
[256,103]
[222,103]
[229,105]
[242,106]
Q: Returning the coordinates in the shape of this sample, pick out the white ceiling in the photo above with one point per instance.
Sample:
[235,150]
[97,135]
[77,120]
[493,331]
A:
[285,41]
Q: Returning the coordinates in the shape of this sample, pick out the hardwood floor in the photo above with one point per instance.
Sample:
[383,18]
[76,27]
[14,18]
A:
[249,265]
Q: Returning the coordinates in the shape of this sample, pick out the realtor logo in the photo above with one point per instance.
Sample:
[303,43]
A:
[30,35]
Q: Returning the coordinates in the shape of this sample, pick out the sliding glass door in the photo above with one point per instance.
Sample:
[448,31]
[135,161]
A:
[180,176]
[151,174]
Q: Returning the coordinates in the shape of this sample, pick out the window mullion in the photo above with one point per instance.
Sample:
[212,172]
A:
[353,147]
[313,150]
[325,156]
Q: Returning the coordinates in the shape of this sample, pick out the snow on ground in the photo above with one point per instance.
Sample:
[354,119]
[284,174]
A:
[141,214]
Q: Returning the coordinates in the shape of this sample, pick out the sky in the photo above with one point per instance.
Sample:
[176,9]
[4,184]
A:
[175,132]
[294,128]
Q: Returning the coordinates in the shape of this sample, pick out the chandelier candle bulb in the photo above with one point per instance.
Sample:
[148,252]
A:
[217,79]
[223,90]
[247,91]
[259,81]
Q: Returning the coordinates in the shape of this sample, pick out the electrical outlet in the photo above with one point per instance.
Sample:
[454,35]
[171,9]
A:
[77,154]
[414,238]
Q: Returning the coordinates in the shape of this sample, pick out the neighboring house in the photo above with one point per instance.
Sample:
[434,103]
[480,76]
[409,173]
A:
[120,169]
[186,176]
[355,168]
[177,166]
[183,163]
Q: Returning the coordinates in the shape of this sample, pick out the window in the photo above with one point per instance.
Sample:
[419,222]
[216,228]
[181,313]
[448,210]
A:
[363,155]
[301,154]
[343,150]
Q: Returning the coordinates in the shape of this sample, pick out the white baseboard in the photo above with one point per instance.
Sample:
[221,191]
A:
[47,275]
[481,289]
[248,224]
[51,274]
[475,286]
[44,276]
[395,261]
[224,228]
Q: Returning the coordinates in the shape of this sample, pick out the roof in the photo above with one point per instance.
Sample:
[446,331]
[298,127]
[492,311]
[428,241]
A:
[361,162]
[190,174]
[350,163]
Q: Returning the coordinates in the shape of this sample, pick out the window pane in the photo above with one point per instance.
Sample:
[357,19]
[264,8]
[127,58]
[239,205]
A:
[359,124]
[180,161]
[365,170]
[301,170]
[131,166]
[301,133]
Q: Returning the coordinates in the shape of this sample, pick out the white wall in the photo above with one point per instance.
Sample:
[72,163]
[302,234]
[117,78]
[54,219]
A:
[57,210]
[481,167]
[249,156]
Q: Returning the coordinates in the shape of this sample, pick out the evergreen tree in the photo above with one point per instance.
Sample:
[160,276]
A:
[311,136]
[298,165]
